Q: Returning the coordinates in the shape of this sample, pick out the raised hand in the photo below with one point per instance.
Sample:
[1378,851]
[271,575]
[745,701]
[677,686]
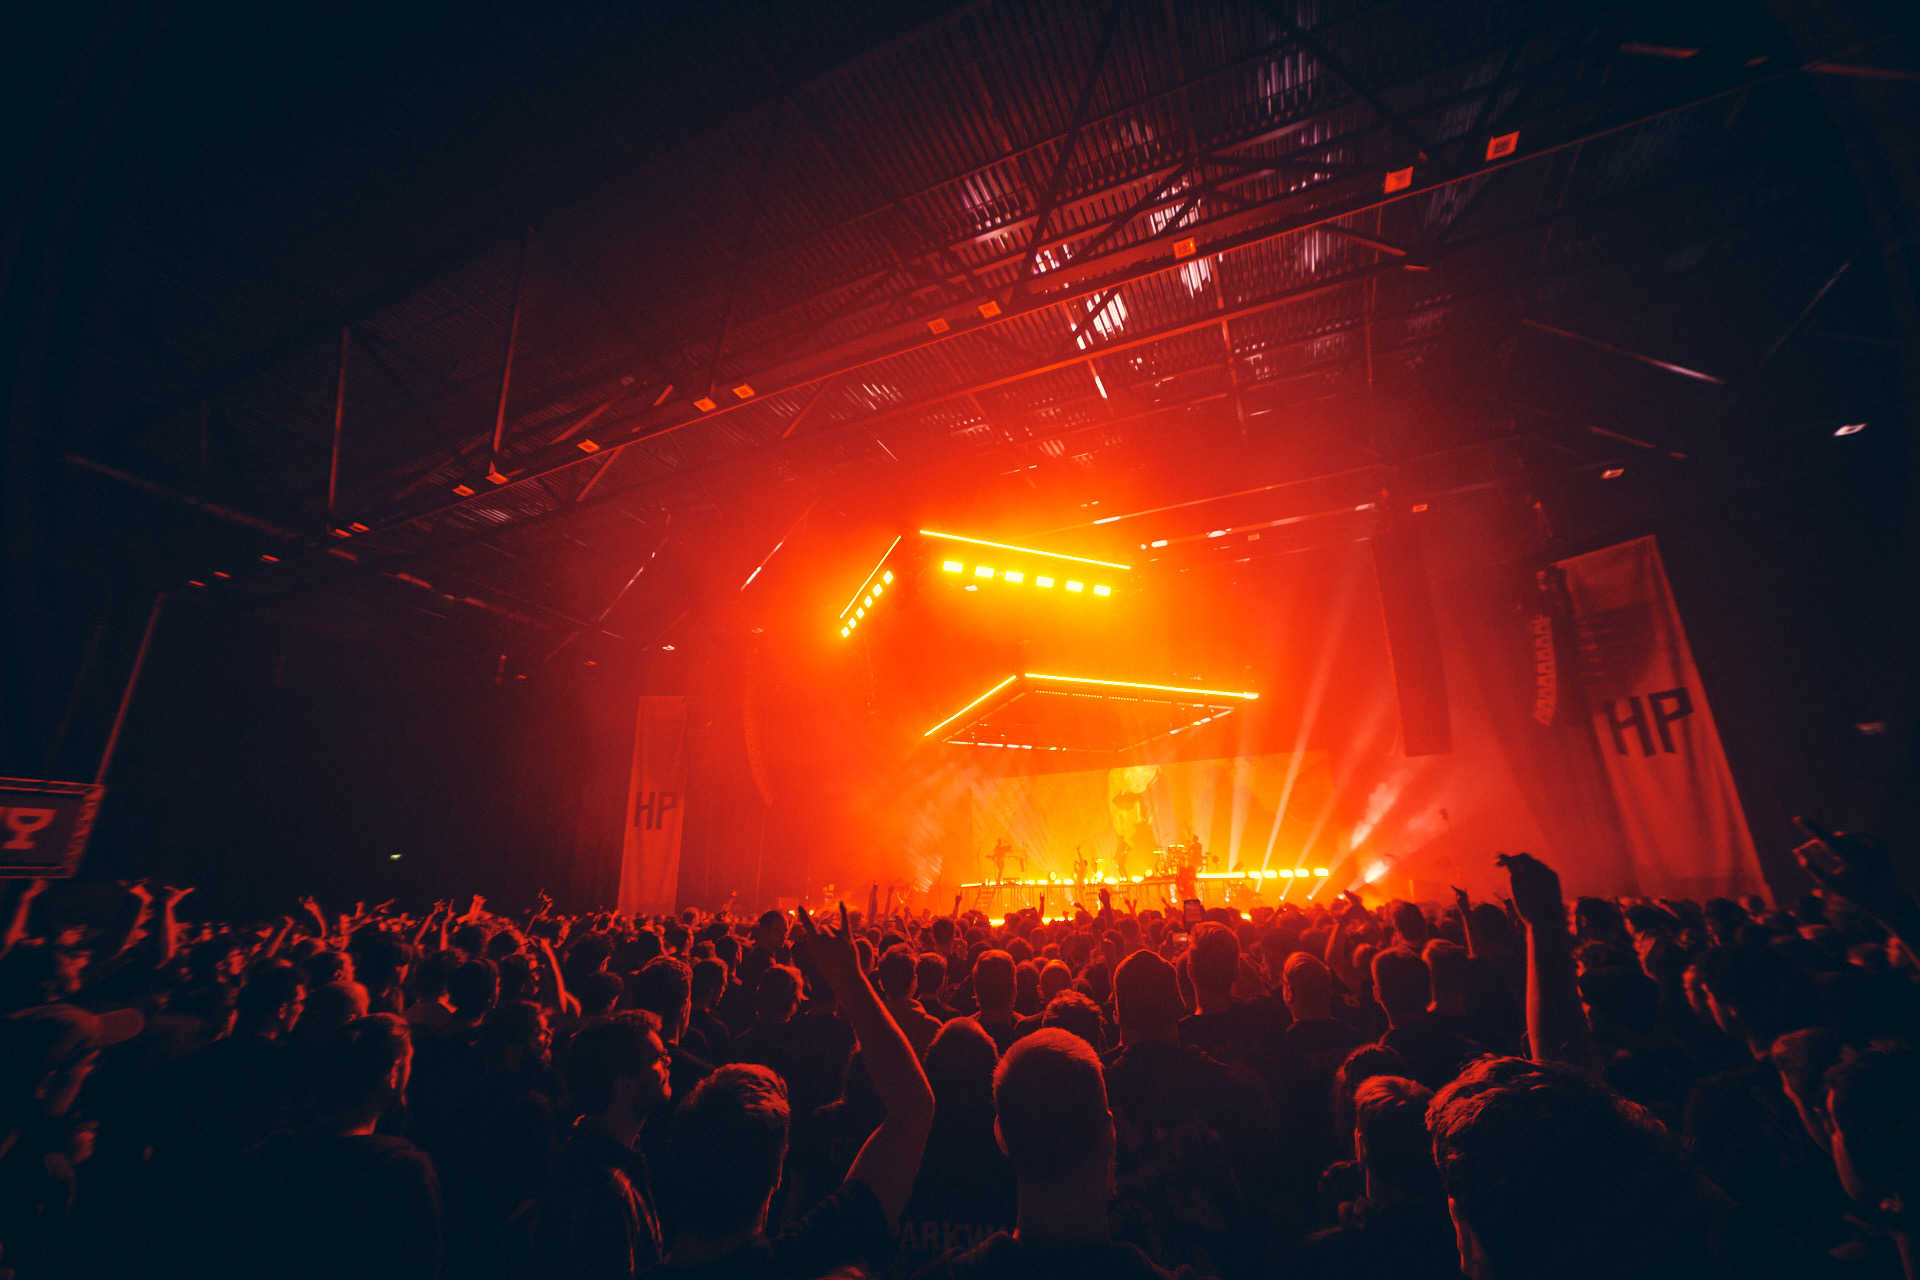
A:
[832,951]
[1460,900]
[1853,867]
[1536,891]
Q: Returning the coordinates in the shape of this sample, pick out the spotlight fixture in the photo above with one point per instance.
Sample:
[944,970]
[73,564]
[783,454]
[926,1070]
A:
[1851,429]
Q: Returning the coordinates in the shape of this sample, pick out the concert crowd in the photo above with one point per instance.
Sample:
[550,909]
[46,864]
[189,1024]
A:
[1513,1089]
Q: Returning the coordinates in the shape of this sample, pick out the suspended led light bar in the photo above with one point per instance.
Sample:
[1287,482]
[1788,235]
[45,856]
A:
[1035,711]
[870,590]
[1157,688]
[1029,551]
[970,706]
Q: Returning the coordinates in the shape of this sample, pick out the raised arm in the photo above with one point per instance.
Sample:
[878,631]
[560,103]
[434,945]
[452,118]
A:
[890,1160]
[1476,945]
[1557,1029]
[426,925]
[22,909]
[1856,868]
[170,898]
[561,1000]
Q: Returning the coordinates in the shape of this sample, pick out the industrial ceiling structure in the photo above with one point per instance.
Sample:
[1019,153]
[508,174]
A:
[671,281]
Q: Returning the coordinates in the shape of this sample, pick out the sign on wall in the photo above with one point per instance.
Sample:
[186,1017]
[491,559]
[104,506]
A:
[44,826]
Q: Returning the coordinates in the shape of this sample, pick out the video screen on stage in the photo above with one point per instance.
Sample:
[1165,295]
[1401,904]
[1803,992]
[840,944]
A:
[1247,812]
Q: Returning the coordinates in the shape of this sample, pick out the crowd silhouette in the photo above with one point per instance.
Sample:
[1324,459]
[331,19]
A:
[1513,1089]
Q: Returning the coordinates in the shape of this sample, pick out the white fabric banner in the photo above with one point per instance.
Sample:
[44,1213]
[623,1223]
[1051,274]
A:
[650,854]
[1685,831]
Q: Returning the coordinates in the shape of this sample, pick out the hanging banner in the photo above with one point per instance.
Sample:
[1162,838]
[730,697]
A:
[1679,814]
[656,809]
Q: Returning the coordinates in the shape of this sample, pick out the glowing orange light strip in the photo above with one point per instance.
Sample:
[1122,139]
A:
[870,577]
[970,706]
[1128,684]
[1004,546]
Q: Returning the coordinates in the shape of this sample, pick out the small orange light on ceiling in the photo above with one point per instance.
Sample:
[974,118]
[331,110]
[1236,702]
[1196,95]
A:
[271,559]
[1613,473]
[464,490]
[989,309]
[1185,248]
[357,527]
[859,613]
[1102,591]
[887,576]
[587,446]
[1399,179]
[195,582]
[744,391]
[938,325]
[706,404]
[1075,586]
[1014,575]
[953,566]
[1043,582]
[1321,871]
[1504,145]
[845,632]
[982,571]
[868,602]
[1286,873]
[221,573]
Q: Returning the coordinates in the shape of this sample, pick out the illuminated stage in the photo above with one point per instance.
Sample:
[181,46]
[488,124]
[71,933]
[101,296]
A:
[1214,888]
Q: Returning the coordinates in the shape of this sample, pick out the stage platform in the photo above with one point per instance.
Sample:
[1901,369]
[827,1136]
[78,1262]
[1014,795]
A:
[1215,889]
